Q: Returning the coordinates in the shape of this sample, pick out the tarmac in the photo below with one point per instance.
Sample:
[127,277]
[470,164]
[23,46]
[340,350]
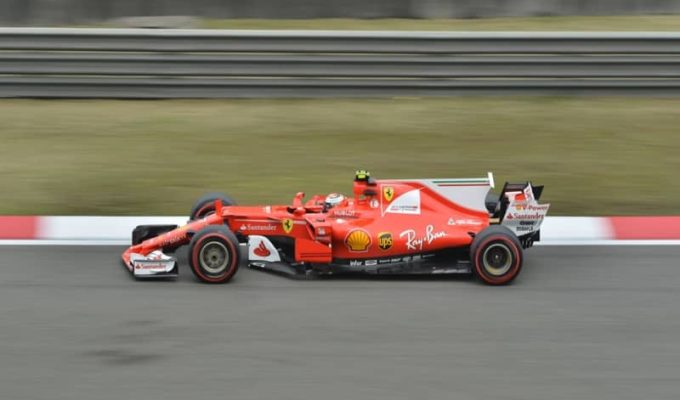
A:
[590,322]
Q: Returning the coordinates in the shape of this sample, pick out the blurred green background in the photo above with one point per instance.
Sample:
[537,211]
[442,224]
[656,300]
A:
[597,156]
[547,23]
[533,23]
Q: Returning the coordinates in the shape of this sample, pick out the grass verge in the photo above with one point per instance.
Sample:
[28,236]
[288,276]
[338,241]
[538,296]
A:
[597,156]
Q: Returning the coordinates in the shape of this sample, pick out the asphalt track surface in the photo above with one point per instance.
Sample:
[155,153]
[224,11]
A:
[579,323]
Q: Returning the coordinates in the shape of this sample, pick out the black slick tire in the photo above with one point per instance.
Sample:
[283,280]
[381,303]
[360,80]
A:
[496,255]
[205,205]
[214,254]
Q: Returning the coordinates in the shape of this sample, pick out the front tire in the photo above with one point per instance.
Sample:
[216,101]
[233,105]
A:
[214,254]
[205,205]
[145,232]
[496,255]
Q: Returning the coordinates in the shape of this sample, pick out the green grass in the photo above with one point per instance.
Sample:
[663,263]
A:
[597,156]
[579,23]
[569,23]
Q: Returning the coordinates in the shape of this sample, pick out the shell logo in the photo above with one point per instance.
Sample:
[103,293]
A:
[358,240]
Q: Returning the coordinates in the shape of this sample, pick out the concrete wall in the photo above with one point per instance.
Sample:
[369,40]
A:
[55,12]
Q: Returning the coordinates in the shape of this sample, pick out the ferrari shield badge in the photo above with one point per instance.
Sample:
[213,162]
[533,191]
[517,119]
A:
[388,193]
[287,225]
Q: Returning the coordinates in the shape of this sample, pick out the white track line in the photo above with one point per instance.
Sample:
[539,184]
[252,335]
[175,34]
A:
[609,243]
[65,242]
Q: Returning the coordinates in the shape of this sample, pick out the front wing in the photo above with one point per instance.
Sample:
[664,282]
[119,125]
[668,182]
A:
[152,266]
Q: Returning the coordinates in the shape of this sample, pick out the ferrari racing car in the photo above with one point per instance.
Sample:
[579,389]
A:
[394,226]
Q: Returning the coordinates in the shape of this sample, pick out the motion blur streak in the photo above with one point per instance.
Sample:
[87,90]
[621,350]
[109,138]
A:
[18,227]
[654,228]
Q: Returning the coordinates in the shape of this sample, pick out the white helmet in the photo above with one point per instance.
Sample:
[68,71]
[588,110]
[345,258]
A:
[333,200]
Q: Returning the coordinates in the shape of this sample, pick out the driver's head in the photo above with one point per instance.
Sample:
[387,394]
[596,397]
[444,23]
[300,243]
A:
[333,200]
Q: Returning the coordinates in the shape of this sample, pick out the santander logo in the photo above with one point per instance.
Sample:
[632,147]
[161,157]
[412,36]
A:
[262,250]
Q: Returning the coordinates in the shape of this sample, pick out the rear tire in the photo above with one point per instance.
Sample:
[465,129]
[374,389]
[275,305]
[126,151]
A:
[214,254]
[205,205]
[496,255]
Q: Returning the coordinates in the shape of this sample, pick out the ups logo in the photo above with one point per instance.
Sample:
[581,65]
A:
[385,240]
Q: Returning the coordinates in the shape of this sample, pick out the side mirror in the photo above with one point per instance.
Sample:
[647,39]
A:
[297,200]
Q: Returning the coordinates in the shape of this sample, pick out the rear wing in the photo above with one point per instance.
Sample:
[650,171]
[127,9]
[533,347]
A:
[521,192]
[518,210]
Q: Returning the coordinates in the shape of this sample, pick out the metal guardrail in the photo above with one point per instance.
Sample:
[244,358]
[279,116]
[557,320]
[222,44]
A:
[135,63]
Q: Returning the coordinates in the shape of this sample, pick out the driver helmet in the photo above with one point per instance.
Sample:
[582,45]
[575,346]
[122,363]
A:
[333,200]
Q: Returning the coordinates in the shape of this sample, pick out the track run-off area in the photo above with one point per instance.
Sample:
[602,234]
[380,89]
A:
[579,323]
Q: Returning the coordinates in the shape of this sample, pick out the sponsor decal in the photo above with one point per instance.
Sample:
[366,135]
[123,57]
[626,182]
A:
[251,227]
[268,209]
[452,221]
[526,225]
[369,263]
[151,266]
[262,250]
[385,240]
[171,240]
[407,203]
[356,263]
[531,215]
[358,240]
[321,231]
[415,242]
[388,193]
[526,206]
[347,213]
[519,206]
[374,203]
[287,225]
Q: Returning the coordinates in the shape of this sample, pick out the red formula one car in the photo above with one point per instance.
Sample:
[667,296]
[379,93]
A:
[396,226]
